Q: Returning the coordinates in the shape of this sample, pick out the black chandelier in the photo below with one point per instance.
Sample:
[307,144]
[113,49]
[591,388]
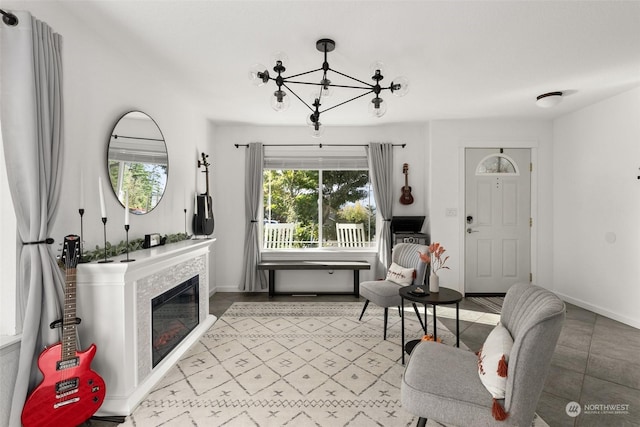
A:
[280,101]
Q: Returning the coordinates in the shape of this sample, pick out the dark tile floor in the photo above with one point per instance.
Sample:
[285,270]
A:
[596,361]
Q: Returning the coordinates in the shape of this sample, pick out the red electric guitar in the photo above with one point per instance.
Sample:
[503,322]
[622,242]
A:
[70,392]
[406,198]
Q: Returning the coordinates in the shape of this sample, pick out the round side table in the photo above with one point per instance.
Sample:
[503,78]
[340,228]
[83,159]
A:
[445,296]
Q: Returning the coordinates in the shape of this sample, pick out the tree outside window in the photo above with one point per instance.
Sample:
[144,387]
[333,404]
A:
[144,182]
[315,200]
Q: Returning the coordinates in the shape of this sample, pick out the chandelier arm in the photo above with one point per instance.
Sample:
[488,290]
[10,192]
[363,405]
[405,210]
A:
[330,85]
[352,78]
[348,100]
[351,87]
[296,95]
[302,74]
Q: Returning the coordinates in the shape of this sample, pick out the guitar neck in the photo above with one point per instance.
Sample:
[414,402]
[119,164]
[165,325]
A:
[69,316]
[206,171]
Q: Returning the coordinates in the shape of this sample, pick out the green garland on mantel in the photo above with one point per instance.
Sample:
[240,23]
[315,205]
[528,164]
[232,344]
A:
[134,245]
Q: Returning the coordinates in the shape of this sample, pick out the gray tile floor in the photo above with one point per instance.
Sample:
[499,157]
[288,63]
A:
[596,361]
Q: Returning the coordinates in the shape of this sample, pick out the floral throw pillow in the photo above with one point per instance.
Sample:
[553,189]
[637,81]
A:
[493,359]
[399,274]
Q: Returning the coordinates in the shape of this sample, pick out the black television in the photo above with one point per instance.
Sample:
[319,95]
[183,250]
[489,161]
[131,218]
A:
[407,224]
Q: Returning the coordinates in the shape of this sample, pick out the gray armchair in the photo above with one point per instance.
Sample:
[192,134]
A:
[384,293]
[452,392]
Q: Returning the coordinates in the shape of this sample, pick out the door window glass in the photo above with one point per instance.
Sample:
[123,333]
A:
[497,164]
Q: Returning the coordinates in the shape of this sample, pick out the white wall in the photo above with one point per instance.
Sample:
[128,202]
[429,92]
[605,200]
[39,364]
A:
[448,140]
[228,180]
[597,206]
[100,84]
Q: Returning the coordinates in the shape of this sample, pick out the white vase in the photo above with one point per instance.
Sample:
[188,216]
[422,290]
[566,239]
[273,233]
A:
[434,283]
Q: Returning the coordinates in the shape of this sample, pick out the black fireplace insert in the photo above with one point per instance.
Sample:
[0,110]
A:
[174,314]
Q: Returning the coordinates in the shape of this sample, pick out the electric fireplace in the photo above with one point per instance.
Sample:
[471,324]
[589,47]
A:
[174,314]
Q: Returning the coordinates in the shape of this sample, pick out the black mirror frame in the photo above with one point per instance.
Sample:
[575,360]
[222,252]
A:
[111,134]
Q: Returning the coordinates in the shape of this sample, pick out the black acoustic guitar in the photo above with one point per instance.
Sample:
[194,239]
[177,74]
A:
[203,223]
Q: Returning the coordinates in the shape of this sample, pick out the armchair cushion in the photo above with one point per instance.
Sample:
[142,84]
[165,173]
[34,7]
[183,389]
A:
[400,275]
[382,292]
[459,391]
[493,358]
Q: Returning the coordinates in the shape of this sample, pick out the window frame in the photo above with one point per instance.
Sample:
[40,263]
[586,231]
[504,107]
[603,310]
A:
[318,159]
[8,259]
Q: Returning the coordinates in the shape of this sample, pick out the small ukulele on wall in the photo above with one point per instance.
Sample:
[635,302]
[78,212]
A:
[406,198]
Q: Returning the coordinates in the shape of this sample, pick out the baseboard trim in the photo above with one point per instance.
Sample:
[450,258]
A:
[232,289]
[599,310]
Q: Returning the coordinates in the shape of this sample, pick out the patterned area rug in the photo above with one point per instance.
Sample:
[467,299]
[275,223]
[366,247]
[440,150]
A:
[290,364]
[283,364]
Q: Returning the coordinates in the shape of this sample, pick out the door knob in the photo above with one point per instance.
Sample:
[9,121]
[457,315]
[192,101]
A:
[469,230]
[469,219]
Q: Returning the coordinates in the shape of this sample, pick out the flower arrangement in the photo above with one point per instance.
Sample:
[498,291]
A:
[434,257]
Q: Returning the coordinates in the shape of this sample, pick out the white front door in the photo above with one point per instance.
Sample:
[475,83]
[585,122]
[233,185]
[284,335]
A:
[497,219]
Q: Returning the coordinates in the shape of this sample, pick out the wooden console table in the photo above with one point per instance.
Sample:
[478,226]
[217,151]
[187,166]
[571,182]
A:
[272,266]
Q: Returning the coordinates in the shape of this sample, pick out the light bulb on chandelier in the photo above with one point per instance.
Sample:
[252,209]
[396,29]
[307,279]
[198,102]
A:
[326,90]
[317,130]
[400,86]
[259,75]
[280,101]
[377,107]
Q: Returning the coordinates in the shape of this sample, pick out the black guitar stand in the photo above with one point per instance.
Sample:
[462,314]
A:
[58,323]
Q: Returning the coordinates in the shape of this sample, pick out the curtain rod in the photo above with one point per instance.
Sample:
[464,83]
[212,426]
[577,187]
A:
[9,18]
[316,145]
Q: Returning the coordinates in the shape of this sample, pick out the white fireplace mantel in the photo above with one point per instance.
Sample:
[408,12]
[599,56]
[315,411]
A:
[114,303]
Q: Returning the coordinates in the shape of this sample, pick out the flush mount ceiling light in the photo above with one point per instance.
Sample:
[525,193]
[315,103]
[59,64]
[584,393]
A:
[281,99]
[547,100]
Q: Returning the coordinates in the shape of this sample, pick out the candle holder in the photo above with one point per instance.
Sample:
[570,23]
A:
[185,222]
[81,258]
[126,229]
[104,225]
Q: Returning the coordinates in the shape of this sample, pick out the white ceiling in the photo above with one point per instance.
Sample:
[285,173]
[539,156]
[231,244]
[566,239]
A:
[464,59]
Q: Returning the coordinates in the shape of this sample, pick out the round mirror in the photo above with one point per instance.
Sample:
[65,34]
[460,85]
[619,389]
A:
[138,162]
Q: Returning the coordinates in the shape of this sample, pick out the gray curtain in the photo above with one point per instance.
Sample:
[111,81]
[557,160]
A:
[252,278]
[380,158]
[32,131]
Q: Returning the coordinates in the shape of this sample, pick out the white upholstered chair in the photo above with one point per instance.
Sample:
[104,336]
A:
[453,393]
[384,293]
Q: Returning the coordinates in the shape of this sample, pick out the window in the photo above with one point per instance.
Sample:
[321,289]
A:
[312,197]
[8,254]
[497,164]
